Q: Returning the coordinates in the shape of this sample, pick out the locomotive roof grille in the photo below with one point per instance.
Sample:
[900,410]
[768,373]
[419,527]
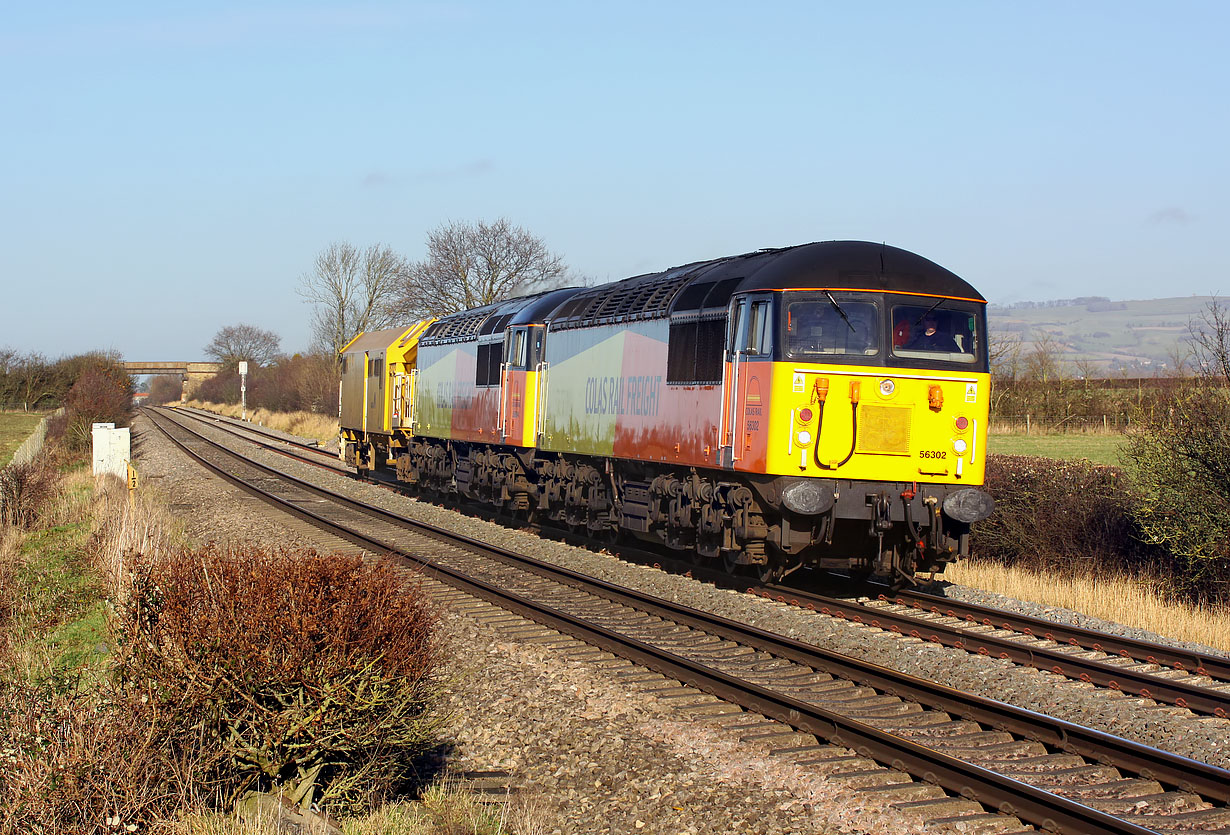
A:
[455,328]
[644,297]
[495,324]
[706,295]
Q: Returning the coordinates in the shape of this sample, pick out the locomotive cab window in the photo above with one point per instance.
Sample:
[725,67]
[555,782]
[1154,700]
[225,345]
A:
[832,324]
[516,348]
[758,343]
[936,332]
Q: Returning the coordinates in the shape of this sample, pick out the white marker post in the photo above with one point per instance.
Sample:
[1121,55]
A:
[243,388]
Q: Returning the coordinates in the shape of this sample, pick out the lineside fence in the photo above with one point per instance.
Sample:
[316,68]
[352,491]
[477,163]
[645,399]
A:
[1073,424]
[33,445]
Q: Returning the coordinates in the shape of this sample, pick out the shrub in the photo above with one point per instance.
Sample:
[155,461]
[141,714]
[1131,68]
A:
[1053,515]
[76,764]
[298,383]
[165,389]
[25,491]
[1181,460]
[283,670]
[100,395]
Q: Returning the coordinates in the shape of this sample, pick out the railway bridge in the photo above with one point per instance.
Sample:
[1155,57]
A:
[192,373]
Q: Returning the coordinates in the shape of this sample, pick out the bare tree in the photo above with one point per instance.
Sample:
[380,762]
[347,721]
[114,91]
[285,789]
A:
[1044,363]
[1087,369]
[165,388]
[1209,337]
[469,265]
[349,290]
[35,380]
[243,342]
[1004,352]
[1180,357]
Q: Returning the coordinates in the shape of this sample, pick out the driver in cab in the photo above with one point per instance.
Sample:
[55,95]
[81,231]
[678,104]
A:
[931,338]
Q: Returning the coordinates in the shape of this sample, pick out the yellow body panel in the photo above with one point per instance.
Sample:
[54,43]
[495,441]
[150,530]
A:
[529,430]
[908,434]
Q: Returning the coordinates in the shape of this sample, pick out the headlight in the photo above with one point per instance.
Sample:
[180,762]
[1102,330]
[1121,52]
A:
[959,446]
[807,496]
[805,437]
[969,505]
[887,387]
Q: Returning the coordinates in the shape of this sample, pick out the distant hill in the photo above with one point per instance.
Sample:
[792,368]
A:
[1132,338]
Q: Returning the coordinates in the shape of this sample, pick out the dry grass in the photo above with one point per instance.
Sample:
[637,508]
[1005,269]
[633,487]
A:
[440,811]
[1122,600]
[126,523]
[305,424]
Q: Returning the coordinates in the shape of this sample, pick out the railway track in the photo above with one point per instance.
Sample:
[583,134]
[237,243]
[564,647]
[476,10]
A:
[1044,771]
[1196,681]
[1082,655]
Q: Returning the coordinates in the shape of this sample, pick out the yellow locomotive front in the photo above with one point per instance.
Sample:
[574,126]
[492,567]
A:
[910,405]
[878,408]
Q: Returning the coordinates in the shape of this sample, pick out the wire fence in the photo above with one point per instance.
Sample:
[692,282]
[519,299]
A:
[1072,424]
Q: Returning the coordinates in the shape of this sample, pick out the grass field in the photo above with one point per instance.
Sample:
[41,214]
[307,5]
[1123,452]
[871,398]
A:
[1098,448]
[15,427]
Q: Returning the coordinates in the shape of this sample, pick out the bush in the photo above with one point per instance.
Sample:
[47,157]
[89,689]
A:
[25,491]
[283,670]
[100,395]
[76,764]
[298,383]
[165,389]
[1181,460]
[1064,516]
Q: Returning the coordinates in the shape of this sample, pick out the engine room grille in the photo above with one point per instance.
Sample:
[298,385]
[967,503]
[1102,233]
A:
[884,429]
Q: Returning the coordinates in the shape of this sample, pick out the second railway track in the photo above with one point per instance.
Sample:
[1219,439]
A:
[1197,681]
[1045,771]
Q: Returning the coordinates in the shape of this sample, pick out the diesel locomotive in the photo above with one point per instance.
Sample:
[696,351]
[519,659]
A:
[816,405]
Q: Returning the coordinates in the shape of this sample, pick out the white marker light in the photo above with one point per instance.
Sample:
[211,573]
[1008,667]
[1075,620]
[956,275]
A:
[960,446]
[804,437]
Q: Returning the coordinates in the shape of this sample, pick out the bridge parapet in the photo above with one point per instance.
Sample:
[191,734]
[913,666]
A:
[192,373]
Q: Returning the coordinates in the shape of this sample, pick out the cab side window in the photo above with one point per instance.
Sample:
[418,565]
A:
[758,330]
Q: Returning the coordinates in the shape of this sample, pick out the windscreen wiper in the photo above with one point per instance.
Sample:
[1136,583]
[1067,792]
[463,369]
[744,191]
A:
[928,311]
[840,312]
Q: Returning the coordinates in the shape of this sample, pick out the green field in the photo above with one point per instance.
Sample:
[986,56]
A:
[15,427]
[1098,448]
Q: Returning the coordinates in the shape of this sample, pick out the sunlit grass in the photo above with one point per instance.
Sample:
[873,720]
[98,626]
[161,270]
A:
[1099,447]
[15,427]
[1122,600]
[323,428]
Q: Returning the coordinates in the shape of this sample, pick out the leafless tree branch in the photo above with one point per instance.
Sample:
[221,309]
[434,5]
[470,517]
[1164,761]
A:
[349,290]
[243,342]
[469,265]
[1209,337]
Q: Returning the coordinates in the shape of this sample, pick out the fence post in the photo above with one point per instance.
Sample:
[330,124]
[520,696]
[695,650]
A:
[1027,423]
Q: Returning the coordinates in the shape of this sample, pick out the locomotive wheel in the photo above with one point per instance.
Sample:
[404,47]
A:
[771,571]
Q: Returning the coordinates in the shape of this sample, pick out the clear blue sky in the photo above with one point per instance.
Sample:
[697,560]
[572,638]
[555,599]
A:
[170,168]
